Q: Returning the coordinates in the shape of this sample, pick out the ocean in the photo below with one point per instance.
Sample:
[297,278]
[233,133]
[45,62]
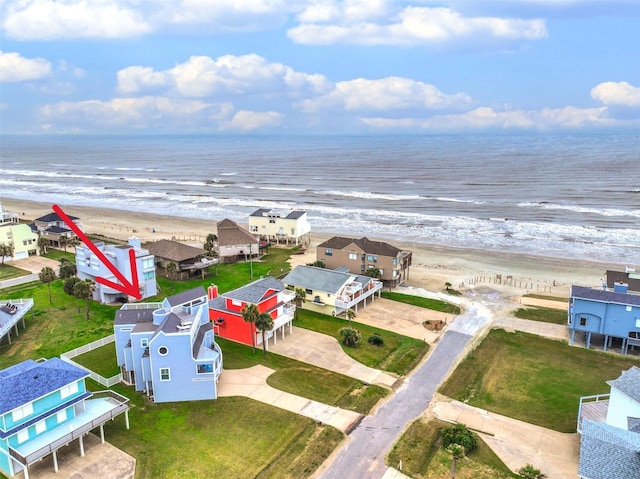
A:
[570,195]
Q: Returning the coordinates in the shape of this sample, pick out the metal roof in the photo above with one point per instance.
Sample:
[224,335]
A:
[317,279]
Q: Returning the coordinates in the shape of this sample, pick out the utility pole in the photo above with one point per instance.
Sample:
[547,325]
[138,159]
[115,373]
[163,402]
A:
[250,262]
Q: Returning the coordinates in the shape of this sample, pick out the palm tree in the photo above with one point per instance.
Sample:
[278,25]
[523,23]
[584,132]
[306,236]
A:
[84,290]
[42,244]
[350,315]
[47,276]
[264,323]
[250,315]
[5,250]
[457,452]
[530,472]
[447,286]
[67,268]
[75,242]
[299,299]
[171,269]
[210,243]
[350,337]
[63,241]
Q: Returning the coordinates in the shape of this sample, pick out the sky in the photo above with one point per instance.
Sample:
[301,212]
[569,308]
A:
[318,66]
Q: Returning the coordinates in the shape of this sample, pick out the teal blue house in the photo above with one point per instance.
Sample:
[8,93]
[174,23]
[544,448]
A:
[605,314]
[44,405]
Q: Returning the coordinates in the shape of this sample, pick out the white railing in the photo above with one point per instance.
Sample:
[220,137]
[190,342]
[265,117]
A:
[14,318]
[66,357]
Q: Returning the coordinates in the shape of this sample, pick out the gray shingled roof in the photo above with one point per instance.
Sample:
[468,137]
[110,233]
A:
[254,292]
[614,277]
[604,296]
[30,380]
[52,217]
[230,234]
[628,383]
[608,452]
[293,215]
[317,279]
[365,244]
[173,250]
[186,296]
[133,316]
[57,230]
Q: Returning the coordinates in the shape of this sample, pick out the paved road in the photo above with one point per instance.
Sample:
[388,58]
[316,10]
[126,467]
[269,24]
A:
[22,279]
[363,456]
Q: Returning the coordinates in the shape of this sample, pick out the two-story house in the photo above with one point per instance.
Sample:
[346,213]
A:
[52,227]
[19,236]
[235,242]
[610,315]
[90,267]
[331,291]
[361,255]
[278,226]
[188,259]
[629,277]
[45,405]
[268,294]
[609,428]
[168,349]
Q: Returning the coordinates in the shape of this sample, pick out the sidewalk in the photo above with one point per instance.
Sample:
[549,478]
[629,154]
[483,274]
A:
[547,330]
[252,383]
[517,443]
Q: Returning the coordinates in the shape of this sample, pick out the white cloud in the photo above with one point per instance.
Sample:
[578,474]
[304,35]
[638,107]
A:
[392,93]
[617,93]
[252,120]
[48,19]
[412,26]
[202,76]
[16,68]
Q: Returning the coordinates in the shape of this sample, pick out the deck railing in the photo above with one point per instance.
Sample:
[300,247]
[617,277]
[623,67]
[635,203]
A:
[594,408]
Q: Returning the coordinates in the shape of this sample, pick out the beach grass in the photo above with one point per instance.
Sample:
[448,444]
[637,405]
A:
[547,297]
[399,354]
[304,379]
[427,303]
[228,437]
[533,379]
[9,272]
[101,360]
[420,452]
[545,315]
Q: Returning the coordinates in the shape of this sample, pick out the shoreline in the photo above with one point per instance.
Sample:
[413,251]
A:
[432,264]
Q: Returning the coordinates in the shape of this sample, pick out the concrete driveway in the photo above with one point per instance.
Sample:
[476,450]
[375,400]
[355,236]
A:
[35,263]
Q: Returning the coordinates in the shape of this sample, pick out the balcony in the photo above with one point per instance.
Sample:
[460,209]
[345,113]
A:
[285,317]
[593,408]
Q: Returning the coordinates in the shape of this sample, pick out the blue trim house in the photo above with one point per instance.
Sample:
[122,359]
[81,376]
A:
[168,349]
[44,405]
[609,427]
[611,314]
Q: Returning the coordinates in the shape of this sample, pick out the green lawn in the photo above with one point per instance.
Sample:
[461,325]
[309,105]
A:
[427,303]
[101,361]
[533,379]
[57,254]
[304,379]
[9,272]
[545,315]
[419,449]
[399,354]
[563,299]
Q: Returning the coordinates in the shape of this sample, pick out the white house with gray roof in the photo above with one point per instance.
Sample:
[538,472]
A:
[331,291]
[281,226]
[609,427]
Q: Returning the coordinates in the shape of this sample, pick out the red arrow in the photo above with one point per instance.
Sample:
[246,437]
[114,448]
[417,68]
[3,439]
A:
[128,288]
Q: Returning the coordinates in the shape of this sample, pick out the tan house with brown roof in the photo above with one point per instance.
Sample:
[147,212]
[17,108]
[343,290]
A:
[188,259]
[359,255]
[235,242]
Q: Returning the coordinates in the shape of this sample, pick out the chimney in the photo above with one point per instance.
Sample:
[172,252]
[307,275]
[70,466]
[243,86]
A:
[135,242]
[620,287]
[212,291]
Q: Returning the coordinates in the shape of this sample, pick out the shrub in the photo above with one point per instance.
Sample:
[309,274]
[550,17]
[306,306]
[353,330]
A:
[350,337]
[461,435]
[375,340]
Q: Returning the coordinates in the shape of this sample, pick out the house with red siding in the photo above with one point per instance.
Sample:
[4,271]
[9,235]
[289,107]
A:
[268,294]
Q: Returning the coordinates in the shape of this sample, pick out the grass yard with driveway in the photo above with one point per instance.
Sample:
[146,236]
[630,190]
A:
[533,379]
[9,272]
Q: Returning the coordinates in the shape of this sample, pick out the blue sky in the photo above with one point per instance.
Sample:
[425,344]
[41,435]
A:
[320,66]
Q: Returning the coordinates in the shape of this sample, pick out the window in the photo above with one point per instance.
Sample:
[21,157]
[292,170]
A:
[308,291]
[235,302]
[205,368]
[147,263]
[68,390]
[254,228]
[125,330]
[293,231]
[583,321]
[264,228]
[144,342]
[165,374]
[328,252]
[362,267]
[395,261]
[61,416]
[149,275]
[370,257]
[41,427]
[272,221]
[23,435]
[381,271]
[637,322]
[22,412]
[353,256]
[395,273]
[163,350]
[375,259]
[629,308]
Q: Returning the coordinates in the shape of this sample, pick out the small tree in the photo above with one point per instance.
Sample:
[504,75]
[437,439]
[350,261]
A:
[63,241]
[210,244]
[264,323]
[74,242]
[250,315]
[47,276]
[69,284]
[5,250]
[530,472]
[300,297]
[350,313]
[171,269]
[84,290]
[42,244]
[350,337]
[375,340]
[67,268]
[461,435]
[373,272]
[447,286]
[317,264]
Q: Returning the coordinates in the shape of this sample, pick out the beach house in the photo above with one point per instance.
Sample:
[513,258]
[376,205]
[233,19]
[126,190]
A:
[610,316]
[280,226]
[609,428]
[629,277]
[90,267]
[189,260]
[360,255]
[45,405]
[168,350]
[268,294]
[12,312]
[235,243]
[52,227]
[22,240]
[332,291]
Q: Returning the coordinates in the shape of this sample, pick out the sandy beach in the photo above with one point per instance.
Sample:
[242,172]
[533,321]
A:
[433,265]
